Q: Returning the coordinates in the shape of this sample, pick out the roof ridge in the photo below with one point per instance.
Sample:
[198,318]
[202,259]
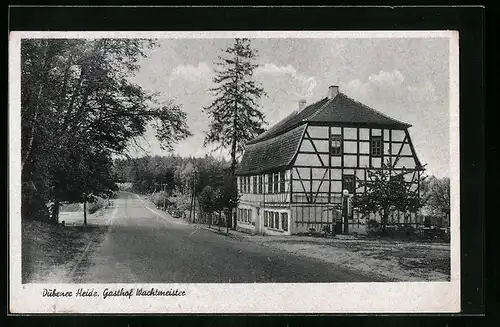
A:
[275,126]
[322,107]
[262,137]
[375,110]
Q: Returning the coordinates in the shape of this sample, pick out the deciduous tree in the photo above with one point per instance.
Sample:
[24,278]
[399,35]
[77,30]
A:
[386,190]
[77,102]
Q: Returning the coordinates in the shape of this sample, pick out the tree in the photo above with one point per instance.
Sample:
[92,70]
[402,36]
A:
[234,113]
[208,201]
[78,106]
[437,196]
[387,190]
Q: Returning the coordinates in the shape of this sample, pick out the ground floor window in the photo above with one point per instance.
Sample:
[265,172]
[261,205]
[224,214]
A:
[245,215]
[276,220]
[284,221]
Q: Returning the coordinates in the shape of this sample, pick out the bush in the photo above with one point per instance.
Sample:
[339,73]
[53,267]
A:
[409,230]
[96,205]
[181,201]
[372,227]
[160,198]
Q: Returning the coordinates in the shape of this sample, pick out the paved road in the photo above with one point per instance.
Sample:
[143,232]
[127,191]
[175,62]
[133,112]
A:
[144,245]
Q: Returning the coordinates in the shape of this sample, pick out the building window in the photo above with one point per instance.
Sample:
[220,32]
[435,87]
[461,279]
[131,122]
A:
[284,221]
[269,183]
[282,182]
[255,185]
[376,146]
[336,145]
[276,182]
[276,220]
[349,183]
[260,184]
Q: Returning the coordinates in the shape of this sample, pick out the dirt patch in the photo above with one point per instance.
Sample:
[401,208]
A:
[49,252]
[394,260]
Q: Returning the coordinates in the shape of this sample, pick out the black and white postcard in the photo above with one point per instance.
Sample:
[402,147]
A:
[234,172]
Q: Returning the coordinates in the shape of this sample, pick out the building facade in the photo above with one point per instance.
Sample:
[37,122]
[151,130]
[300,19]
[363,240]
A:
[291,177]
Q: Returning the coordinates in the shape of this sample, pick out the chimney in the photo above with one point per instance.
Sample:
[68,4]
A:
[333,90]
[302,105]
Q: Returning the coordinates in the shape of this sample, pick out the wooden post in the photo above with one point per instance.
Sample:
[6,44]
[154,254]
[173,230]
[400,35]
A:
[85,212]
[345,214]
[219,220]
[55,212]
[164,198]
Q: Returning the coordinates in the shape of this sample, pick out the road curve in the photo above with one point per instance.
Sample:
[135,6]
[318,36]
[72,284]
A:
[144,245]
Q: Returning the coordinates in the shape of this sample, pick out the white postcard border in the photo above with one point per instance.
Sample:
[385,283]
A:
[421,297]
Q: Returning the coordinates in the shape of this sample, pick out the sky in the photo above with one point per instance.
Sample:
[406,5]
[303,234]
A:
[404,78]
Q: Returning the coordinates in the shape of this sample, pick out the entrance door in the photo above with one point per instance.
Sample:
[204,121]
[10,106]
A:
[349,183]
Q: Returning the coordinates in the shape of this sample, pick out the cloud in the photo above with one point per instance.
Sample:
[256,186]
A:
[285,80]
[201,72]
[285,87]
[391,79]
[417,103]
[388,90]
[187,86]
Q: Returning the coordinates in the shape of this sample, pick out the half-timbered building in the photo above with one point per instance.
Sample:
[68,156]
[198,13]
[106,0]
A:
[291,176]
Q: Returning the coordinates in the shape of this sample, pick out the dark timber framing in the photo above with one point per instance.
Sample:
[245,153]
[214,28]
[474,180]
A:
[307,196]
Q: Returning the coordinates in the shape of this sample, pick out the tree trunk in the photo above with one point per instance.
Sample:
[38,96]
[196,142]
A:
[384,219]
[43,82]
[55,212]
[84,212]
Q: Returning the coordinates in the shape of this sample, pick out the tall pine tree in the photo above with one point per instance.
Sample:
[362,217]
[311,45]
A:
[234,113]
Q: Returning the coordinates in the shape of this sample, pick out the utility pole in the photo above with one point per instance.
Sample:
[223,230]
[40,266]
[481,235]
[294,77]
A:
[193,197]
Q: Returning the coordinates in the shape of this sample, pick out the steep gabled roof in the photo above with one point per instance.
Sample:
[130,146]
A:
[291,121]
[341,109]
[271,154]
[276,148]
